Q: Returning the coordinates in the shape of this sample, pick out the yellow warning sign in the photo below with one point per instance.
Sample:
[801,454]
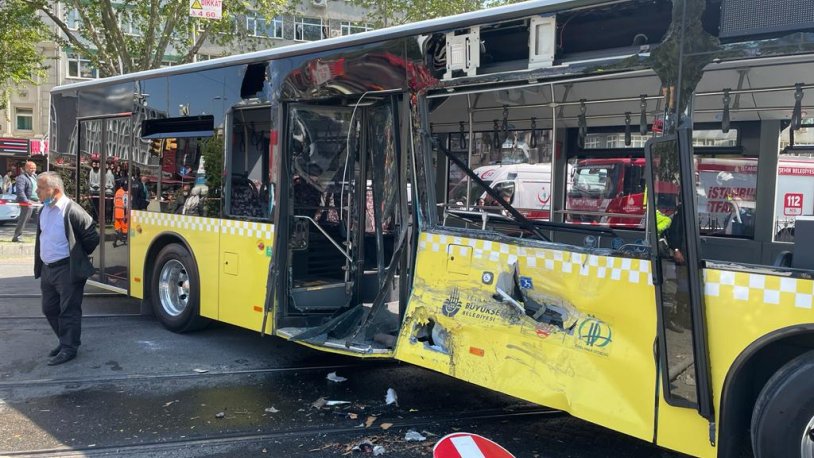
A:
[206,9]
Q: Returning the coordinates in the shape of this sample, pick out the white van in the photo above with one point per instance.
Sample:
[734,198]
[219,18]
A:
[527,187]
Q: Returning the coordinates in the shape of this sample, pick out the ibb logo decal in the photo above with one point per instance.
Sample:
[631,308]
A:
[451,304]
[595,333]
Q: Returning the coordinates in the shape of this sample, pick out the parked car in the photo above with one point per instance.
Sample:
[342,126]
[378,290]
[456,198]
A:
[8,213]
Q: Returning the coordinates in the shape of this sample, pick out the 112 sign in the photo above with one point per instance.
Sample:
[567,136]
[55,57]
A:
[793,204]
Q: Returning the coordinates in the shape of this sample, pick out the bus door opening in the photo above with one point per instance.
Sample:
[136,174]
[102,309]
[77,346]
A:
[682,333]
[346,230]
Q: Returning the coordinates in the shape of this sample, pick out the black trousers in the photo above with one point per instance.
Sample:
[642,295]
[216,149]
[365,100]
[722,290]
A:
[62,304]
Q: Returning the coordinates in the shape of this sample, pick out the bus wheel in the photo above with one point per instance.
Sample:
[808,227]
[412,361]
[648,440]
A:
[783,417]
[176,290]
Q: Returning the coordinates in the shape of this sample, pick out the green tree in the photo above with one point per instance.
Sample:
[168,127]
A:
[385,13]
[122,36]
[21,61]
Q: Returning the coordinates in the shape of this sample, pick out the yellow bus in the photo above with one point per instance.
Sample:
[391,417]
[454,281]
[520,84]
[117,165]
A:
[304,192]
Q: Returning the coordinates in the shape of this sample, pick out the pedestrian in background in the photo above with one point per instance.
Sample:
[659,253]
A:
[26,196]
[66,236]
[6,182]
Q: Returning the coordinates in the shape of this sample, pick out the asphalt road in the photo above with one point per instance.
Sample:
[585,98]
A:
[138,390]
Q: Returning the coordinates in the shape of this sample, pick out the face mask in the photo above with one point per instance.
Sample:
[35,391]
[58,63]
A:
[49,202]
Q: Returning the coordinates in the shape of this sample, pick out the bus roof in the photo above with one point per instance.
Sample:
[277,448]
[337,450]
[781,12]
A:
[501,13]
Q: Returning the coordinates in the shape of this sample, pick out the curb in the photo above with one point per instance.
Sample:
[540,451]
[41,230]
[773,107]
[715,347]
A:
[16,250]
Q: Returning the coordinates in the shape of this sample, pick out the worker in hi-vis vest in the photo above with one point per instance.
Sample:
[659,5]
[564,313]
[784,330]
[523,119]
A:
[120,223]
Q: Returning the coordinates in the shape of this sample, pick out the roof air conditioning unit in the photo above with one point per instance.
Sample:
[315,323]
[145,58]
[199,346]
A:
[320,3]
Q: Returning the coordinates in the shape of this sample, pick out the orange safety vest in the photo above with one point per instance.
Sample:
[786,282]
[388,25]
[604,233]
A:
[119,204]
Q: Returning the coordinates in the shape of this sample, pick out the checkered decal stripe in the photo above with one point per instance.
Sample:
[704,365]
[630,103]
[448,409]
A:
[249,229]
[767,289]
[587,265]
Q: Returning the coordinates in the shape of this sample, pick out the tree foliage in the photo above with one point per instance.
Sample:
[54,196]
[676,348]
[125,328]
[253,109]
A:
[385,13]
[21,61]
[122,36]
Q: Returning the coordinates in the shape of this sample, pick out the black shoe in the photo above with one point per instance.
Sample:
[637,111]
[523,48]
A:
[16,240]
[62,357]
[55,351]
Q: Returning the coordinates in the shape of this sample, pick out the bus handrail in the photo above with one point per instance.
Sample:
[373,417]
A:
[599,213]
[330,239]
[563,227]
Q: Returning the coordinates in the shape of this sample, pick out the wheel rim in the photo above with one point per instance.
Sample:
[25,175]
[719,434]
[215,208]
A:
[807,441]
[173,287]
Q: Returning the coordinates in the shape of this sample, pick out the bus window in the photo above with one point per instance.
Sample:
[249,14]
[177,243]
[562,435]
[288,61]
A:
[727,190]
[522,172]
[795,181]
[603,190]
[248,189]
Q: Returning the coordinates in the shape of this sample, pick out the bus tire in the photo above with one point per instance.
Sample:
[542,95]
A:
[783,416]
[176,291]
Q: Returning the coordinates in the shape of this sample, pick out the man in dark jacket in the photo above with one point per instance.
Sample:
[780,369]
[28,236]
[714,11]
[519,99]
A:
[66,236]
[26,196]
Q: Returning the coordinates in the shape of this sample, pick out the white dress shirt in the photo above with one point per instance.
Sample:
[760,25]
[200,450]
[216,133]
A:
[53,243]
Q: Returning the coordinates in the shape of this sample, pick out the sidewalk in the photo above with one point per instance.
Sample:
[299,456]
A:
[9,249]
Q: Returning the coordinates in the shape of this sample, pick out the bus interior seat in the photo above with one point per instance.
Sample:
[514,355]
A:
[783,259]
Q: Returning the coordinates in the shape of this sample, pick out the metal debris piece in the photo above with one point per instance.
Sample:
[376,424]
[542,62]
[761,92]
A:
[170,403]
[319,403]
[378,450]
[220,415]
[414,436]
[391,397]
[370,420]
[271,410]
[336,378]
[386,426]
[336,403]
[200,371]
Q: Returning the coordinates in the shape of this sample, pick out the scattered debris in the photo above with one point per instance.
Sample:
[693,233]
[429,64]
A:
[220,415]
[271,410]
[336,378]
[370,420]
[319,403]
[170,403]
[336,403]
[378,450]
[200,371]
[391,397]
[414,436]
[365,447]
[413,410]
[352,416]
[386,426]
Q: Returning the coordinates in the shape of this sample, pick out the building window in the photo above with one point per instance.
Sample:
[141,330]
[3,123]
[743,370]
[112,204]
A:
[25,118]
[349,28]
[259,26]
[80,67]
[72,19]
[127,23]
[308,29]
